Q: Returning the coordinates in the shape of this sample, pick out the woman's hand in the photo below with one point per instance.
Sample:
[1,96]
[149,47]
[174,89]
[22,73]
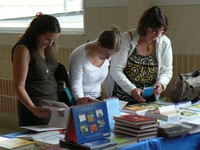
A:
[158,88]
[41,112]
[85,100]
[136,93]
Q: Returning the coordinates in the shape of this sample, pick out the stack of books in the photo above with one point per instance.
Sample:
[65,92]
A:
[192,125]
[138,126]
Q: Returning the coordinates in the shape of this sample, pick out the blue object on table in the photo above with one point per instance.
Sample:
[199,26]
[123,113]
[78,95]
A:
[148,91]
[18,133]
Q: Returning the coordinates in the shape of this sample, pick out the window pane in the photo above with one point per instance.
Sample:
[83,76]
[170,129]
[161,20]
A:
[18,14]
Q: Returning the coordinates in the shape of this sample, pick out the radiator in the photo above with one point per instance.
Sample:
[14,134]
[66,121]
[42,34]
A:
[8,102]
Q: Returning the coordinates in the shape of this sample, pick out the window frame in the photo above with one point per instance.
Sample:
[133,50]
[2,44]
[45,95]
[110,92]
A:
[21,27]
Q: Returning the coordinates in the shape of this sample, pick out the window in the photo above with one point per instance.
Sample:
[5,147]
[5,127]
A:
[15,16]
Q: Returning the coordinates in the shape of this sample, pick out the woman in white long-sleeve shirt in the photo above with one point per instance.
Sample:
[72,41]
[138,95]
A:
[89,65]
[144,59]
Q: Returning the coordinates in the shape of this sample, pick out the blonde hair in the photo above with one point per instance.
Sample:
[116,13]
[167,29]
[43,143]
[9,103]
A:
[111,38]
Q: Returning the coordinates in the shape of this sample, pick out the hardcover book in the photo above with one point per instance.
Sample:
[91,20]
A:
[15,144]
[135,119]
[88,123]
[167,127]
[135,130]
[135,134]
[142,126]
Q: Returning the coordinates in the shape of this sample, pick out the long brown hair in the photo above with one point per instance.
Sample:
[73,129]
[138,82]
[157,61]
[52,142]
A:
[40,25]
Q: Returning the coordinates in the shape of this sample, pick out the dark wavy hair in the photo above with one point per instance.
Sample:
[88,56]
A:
[40,25]
[152,18]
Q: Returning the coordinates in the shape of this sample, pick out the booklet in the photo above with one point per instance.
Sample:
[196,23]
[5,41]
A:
[147,91]
[88,123]
[58,120]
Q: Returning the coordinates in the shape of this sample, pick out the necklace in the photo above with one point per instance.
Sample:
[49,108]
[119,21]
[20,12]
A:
[47,71]
[148,45]
[47,67]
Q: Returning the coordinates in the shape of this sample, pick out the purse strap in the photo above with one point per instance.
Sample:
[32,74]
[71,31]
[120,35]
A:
[131,36]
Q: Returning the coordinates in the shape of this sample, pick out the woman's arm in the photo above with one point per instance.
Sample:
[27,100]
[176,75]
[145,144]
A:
[76,75]
[166,60]
[118,63]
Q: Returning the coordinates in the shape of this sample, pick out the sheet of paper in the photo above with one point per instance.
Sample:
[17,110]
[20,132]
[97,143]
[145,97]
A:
[40,128]
[122,103]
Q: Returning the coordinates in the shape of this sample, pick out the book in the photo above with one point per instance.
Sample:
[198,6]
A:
[164,103]
[114,110]
[188,114]
[135,134]
[88,123]
[94,145]
[146,137]
[141,108]
[183,104]
[44,138]
[147,91]
[135,130]
[58,120]
[194,107]
[122,140]
[166,113]
[167,127]
[135,119]
[15,144]
[142,126]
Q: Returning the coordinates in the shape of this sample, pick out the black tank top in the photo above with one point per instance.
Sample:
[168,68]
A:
[40,82]
[40,85]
